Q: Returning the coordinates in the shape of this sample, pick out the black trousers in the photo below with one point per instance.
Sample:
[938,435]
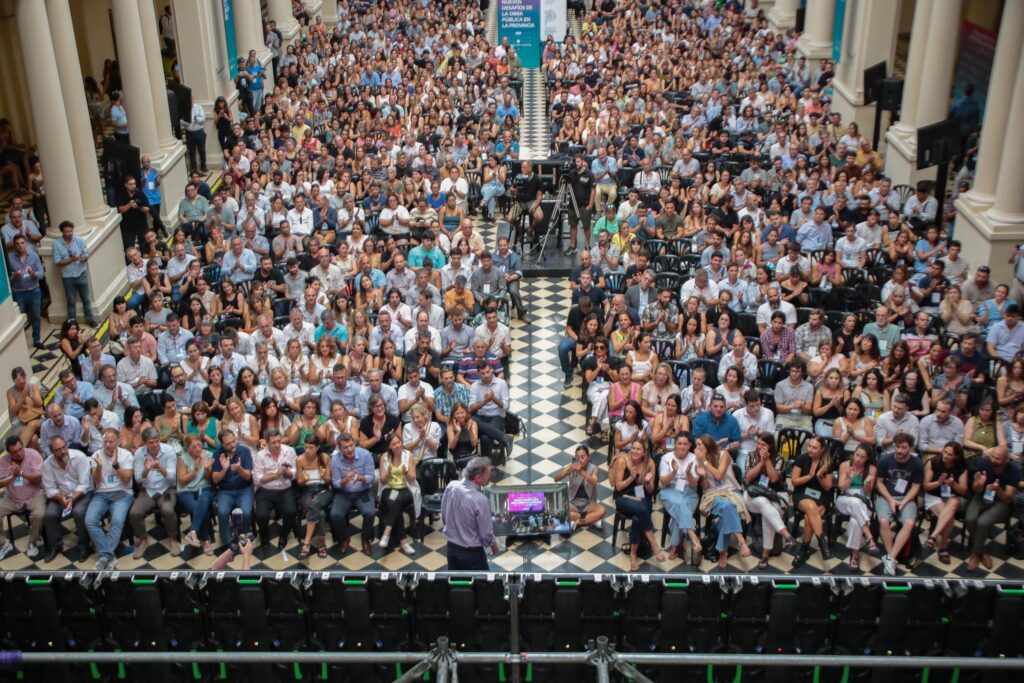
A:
[392,511]
[283,503]
[55,530]
[466,559]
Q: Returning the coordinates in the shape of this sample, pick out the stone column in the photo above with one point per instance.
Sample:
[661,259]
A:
[1009,205]
[782,16]
[997,106]
[939,59]
[76,110]
[138,93]
[816,41]
[329,11]
[53,134]
[249,29]
[869,38]
[915,68]
[157,80]
[280,11]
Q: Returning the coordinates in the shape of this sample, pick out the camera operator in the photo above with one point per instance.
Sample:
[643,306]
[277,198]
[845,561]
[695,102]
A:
[528,193]
[581,182]
[241,542]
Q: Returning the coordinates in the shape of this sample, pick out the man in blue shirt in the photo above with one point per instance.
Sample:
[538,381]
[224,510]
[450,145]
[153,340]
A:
[255,70]
[150,179]
[232,474]
[816,234]
[70,254]
[353,477]
[511,267]
[721,426]
[26,271]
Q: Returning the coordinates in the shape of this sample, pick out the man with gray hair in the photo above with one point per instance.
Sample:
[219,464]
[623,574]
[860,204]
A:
[466,515]
[155,467]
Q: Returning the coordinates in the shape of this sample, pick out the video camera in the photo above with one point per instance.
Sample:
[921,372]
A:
[239,536]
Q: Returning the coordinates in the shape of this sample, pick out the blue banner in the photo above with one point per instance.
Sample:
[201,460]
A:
[837,30]
[519,21]
[229,36]
[5,285]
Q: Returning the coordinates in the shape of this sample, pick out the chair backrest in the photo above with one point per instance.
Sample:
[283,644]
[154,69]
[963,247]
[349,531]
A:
[665,348]
[669,280]
[710,370]
[791,442]
[903,192]
[681,372]
[655,247]
[666,263]
[615,283]
[769,373]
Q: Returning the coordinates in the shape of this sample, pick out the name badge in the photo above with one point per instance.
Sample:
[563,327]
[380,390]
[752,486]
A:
[638,491]
[990,495]
[883,345]
[19,481]
[901,486]
[763,480]
[111,478]
[487,289]
[813,494]
[945,492]
[670,444]
[681,484]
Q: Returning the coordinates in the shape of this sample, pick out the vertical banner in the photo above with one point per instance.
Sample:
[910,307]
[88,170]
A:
[974,63]
[519,21]
[837,30]
[229,36]
[5,285]
[554,20]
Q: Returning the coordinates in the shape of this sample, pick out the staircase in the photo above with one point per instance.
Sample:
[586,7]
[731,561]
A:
[491,23]
[534,126]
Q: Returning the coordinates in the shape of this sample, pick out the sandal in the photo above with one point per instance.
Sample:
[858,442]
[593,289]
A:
[762,564]
[854,563]
[872,547]
[930,543]
[321,551]
[304,553]
[696,554]
[944,556]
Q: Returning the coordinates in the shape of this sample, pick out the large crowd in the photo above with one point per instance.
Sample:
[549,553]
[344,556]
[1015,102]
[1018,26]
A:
[764,326]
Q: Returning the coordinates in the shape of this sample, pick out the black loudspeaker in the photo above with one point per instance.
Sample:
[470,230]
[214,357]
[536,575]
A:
[873,77]
[119,161]
[938,143]
[183,101]
[892,94]
[801,17]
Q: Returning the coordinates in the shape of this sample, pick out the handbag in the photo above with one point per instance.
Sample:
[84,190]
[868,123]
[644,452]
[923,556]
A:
[513,425]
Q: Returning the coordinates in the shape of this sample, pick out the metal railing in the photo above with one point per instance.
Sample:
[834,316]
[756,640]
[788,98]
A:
[444,662]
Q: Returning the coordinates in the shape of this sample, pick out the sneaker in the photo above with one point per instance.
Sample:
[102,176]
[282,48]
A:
[599,524]
[6,549]
[32,551]
[408,549]
[569,250]
[889,564]
[384,540]
[104,563]
[572,526]
[567,382]
[140,550]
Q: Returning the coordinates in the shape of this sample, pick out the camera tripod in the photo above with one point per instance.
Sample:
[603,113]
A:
[563,200]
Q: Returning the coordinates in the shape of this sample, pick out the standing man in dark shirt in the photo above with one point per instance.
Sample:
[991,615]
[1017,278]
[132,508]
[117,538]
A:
[528,193]
[582,184]
[134,208]
[573,326]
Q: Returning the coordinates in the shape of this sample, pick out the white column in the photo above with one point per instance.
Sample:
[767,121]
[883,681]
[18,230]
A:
[1009,206]
[782,16]
[329,11]
[915,68]
[280,11]
[83,145]
[997,106]
[157,80]
[869,37]
[939,58]
[816,41]
[138,95]
[246,34]
[48,114]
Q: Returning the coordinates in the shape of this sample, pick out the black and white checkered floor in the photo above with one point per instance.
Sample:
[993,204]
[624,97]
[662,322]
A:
[554,423]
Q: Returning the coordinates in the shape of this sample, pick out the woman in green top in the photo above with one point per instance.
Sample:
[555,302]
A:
[983,432]
[871,394]
[856,486]
[307,423]
[205,427]
[171,424]
[195,492]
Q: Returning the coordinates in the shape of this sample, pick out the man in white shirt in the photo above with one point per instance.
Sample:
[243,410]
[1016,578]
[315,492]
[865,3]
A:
[195,136]
[852,250]
[871,230]
[701,287]
[489,401]
[775,303]
[896,421]
[239,263]
[273,472]
[278,186]
[136,270]
[395,218]
[300,218]
[753,419]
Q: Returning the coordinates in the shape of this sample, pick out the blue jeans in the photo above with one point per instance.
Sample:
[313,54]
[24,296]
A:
[29,302]
[257,99]
[197,505]
[489,193]
[728,522]
[565,350]
[680,506]
[639,511]
[228,500]
[136,301]
[345,501]
[101,504]
[78,287]
[492,432]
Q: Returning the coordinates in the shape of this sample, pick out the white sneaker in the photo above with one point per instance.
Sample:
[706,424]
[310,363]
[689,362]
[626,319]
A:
[889,564]
[572,526]
[384,540]
[32,551]
[599,524]
[6,549]
[408,549]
